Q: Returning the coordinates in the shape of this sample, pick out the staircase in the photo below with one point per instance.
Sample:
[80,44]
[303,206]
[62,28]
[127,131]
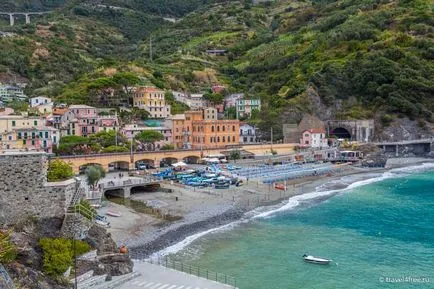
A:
[99,282]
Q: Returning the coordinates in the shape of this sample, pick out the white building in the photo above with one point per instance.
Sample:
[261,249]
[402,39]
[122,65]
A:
[40,100]
[231,100]
[315,138]
[193,100]
[248,134]
[11,93]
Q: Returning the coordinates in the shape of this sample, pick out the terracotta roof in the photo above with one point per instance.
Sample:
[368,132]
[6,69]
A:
[315,130]
[59,111]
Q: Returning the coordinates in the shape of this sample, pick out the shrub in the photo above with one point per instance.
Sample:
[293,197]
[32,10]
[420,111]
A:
[59,170]
[8,251]
[58,254]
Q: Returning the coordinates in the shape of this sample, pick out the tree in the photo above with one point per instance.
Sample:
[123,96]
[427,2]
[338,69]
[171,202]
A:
[94,174]
[72,144]
[58,254]
[235,155]
[108,138]
[148,138]
[59,170]
[215,98]
[126,80]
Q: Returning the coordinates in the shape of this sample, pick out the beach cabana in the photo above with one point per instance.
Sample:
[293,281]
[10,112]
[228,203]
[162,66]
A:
[179,164]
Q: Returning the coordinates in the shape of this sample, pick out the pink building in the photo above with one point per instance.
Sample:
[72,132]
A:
[315,138]
[107,122]
[80,120]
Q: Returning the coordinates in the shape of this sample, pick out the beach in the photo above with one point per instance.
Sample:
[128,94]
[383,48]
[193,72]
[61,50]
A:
[203,210]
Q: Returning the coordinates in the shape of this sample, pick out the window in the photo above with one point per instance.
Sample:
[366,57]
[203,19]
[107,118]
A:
[233,138]
[35,122]
[19,135]
[46,134]
[13,123]
[218,139]
[210,139]
[212,128]
[218,128]
[233,128]
[306,135]
[223,128]
[223,139]
[245,139]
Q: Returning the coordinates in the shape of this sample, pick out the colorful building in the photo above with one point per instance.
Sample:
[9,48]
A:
[19,132]
[108,122]
[193,101]
[177,125]
[315,138]
[152,100]
[40,100]
[246,106]
[248,134]
[80,120]
[209,133]
[11,93]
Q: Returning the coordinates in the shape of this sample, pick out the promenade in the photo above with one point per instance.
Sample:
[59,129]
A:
[159,277]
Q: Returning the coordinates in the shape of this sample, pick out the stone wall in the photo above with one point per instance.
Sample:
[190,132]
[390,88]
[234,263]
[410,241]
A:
[24,191]
[292,132]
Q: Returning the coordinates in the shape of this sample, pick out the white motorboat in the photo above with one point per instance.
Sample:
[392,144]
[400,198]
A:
[316,260]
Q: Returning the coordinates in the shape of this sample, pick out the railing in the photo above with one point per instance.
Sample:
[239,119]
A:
[129,182]
[193,270]
[5,280]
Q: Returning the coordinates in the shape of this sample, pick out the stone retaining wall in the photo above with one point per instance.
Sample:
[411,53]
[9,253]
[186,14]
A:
[24,191]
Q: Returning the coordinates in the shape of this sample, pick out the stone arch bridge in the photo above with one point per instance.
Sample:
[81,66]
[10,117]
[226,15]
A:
[127,161]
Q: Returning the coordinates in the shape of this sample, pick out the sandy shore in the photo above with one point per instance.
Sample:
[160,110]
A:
[204,209]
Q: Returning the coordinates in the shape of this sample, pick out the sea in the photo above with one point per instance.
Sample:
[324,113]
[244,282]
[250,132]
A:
[378,228]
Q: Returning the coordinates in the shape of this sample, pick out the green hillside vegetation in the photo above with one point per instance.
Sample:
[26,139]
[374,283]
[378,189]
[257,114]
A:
[373,56]
[364,58]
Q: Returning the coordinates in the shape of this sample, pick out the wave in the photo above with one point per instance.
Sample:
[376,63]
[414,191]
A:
[292,203]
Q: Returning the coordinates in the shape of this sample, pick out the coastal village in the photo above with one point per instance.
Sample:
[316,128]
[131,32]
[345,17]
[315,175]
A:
[170,170]
[237,144]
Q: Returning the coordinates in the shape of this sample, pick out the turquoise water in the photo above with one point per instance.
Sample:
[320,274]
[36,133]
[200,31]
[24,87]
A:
[373,232]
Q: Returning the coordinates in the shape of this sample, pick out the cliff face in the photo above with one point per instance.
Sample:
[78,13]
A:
[27,270]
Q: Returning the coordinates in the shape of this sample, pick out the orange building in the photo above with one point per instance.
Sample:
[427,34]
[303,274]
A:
[192,130]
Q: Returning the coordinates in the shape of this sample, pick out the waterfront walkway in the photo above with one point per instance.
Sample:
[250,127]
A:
[159,277]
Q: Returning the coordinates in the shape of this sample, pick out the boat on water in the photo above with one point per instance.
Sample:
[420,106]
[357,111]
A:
[113,213]
[316,260]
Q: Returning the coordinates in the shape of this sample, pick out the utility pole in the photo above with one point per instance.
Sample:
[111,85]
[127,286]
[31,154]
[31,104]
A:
[150,48]
[116,130]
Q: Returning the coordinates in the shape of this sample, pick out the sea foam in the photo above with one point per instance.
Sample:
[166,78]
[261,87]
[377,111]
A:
[292,203]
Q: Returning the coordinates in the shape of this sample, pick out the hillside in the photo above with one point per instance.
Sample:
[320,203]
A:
[346,59]
[334,58]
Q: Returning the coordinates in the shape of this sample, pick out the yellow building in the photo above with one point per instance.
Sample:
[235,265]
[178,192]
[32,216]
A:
[152,100]
[18,132]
